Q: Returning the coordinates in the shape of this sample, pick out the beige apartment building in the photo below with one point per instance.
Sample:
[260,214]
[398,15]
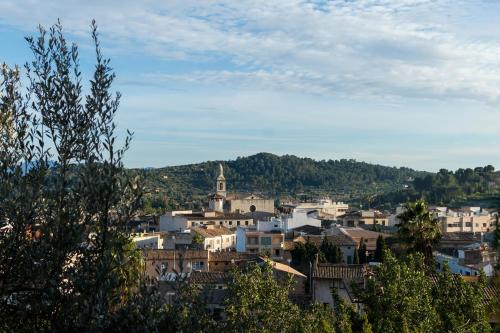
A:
[364,217]
[464,221]
[254,240]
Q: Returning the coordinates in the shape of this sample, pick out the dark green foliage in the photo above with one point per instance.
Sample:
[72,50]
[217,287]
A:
[356,257]
[379,250]
[496,234]
[446,185]
[303,255]
[258,303]
[274,176]
[331,252]
[419,229]
[402,296]
[66,264]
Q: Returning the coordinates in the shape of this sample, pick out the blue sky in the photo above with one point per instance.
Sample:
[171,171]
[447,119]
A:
[405,83]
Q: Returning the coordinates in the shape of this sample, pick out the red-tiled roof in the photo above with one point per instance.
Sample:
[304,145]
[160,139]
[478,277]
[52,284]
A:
[338,271]
[228,256]
[209,278]
[213,232]
[338,240]
[156,254]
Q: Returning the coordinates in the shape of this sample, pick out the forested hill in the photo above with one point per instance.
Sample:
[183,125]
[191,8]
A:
[274,176]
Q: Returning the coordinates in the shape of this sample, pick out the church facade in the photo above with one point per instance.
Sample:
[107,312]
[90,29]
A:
[220,201]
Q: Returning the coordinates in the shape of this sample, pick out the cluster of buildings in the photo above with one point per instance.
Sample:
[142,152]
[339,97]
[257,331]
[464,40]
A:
[235,230]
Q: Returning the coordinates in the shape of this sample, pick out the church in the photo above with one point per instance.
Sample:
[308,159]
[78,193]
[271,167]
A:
[240,203]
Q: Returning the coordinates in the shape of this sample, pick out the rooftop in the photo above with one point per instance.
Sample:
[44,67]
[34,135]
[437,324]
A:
[338,271]
[362,233]
[209,278]
[160,254]
[282,267]
[215,231]
[338,240]
[309,230]
[217,216]
[228,256]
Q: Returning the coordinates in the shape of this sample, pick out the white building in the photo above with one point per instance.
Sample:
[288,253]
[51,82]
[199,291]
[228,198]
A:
[183,220]
[216,238]
[148,241]
[457,265]
[300,217]
[265,237]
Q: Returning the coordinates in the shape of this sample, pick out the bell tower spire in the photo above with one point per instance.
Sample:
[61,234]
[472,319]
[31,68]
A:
[221,182]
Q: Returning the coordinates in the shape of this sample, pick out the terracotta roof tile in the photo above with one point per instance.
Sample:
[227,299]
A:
[339,271]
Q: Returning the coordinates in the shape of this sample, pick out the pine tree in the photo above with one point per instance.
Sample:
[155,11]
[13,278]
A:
[379,250]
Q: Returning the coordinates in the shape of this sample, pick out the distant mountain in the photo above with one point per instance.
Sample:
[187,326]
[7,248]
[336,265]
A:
[275,176]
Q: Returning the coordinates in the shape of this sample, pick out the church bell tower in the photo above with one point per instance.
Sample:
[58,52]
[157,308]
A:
[221,182]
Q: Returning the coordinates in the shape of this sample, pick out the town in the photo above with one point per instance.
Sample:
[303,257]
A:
[250,166]
[241,229]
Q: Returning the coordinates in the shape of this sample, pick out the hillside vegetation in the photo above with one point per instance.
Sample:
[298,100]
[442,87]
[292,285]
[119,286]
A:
[275,176]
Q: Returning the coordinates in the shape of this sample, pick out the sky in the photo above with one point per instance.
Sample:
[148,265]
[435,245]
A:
[401,83]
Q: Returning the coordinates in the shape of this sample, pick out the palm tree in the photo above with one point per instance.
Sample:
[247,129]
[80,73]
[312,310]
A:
[419,229]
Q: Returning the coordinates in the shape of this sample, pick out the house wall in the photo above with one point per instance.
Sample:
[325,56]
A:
[170,265]
[467,223]
[453,264]
[322,291]
[348,253]
[299,218]
[220,243]
[171,222]
[243,205]
[148,242]
[241,240]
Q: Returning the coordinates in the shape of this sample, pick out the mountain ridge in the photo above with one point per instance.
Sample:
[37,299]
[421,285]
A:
[278,176]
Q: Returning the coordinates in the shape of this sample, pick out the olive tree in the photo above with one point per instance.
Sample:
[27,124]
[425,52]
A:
[66,263]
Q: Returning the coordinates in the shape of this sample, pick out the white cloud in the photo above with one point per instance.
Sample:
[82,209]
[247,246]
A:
[411,48]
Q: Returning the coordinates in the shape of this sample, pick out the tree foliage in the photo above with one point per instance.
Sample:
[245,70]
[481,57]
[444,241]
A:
[65,261]
[273,176]
[404,295]
[418,228]
[380,249]
[258,303]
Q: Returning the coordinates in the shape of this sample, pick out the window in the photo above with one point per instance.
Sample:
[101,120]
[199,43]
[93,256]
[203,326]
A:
[230,222]
[265,241]
[277,252]
[220,222]
[246,222]
[198,265]
[484,225]
[252,240]
[468,224]
[221,186]
[237,222]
